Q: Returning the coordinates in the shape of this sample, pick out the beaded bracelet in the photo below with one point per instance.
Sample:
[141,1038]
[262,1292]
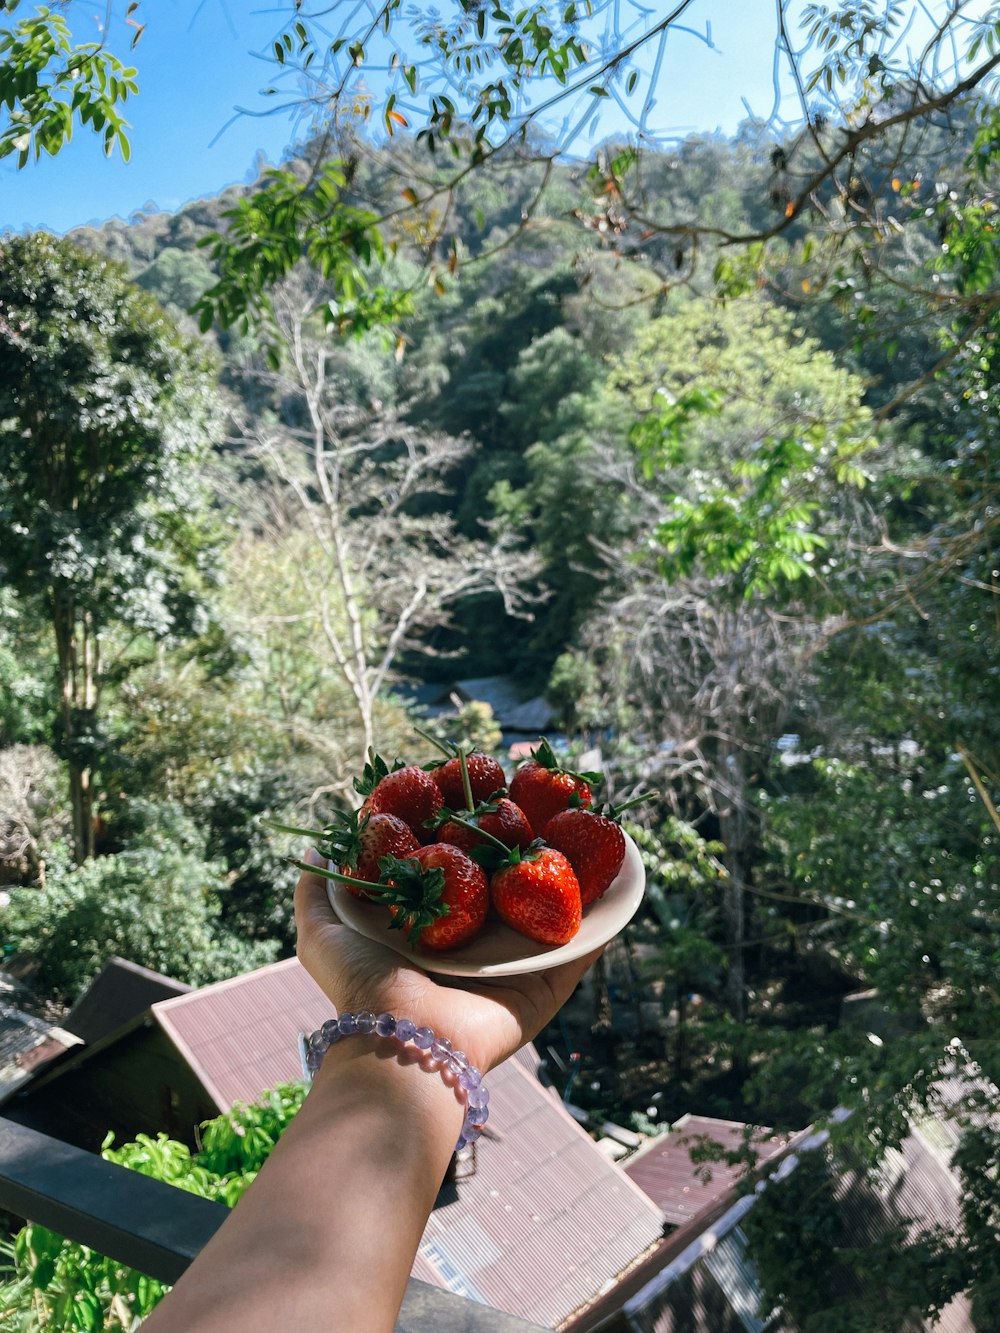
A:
[404,1030]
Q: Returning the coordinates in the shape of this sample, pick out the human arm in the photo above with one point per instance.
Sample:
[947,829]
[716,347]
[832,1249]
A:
[326,1236]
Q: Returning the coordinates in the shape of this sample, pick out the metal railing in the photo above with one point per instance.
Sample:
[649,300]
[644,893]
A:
[158,1229]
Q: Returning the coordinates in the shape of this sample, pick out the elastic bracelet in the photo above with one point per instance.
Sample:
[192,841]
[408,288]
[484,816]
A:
[404,1030]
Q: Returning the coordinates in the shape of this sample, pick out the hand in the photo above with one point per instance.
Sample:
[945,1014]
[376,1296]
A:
[488,1020]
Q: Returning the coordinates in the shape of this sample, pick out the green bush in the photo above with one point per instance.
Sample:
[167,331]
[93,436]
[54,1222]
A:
[157,903]
[58,1285]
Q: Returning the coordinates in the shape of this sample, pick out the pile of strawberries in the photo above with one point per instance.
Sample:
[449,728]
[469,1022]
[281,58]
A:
[441,846]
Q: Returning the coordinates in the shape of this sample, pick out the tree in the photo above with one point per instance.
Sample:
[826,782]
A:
[387,561]
[104,409]
[464,80]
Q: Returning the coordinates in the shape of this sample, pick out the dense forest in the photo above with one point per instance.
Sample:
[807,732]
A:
[739,527]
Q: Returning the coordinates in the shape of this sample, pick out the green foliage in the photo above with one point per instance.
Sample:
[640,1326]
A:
[47,82]
[63,1286]
[749,432]
[286,221]
[157,902]
[105,410]
[811,1265]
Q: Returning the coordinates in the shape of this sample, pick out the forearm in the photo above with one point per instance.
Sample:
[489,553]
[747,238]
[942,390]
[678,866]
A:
[326,1236]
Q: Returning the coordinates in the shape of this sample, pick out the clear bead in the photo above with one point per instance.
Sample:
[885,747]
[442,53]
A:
[347,1024]
[385,1025]
[441,1048]
[366,1022]
[405,1029]
[458,1062]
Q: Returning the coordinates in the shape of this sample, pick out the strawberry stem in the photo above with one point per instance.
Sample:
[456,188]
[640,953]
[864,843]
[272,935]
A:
[512,853]
[636,800]
[463,763]
[446,748]
[316,834]
[335,875]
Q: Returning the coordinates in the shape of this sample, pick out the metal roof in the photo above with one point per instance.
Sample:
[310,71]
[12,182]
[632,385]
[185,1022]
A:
[544,1223]
[240,1036]
[663,1168]
[26,1044]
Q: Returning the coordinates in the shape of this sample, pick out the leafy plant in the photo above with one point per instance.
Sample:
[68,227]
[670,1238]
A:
[66,1287]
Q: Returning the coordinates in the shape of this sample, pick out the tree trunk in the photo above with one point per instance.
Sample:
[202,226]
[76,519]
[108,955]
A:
[733,832]
[77,694]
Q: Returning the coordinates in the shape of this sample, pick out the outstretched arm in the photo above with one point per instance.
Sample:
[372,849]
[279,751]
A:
[326,1236]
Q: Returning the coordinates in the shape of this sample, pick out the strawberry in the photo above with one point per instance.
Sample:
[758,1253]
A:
[408,793]
[485,777]
[541,788]
[358,844]
[594,846]
[437,894]
[539,896]
[500,818]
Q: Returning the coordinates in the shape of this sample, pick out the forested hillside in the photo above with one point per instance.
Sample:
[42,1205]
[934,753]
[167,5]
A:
[740,527]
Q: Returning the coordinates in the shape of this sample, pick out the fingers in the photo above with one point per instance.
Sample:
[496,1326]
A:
[312,901]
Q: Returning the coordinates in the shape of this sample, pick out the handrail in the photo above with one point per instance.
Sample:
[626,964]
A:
[158,1229]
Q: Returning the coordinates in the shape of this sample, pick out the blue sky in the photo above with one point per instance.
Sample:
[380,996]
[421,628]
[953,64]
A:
[200,60]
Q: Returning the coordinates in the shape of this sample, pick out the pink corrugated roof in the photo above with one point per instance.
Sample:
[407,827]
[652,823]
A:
[546,1222]
[663,1168]
[542,1225]
[240,1037]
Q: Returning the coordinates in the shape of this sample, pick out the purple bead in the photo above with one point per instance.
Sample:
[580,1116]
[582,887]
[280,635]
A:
[471,1133]
[478,1096]
[347,1024]
[330,1031]
[405,1029]
[423,1038]
[366,1022]
[477,1115]
[441,1048]
[469,1079]
[318,1043]
[458,1062]
[385,1025]
[462,1141]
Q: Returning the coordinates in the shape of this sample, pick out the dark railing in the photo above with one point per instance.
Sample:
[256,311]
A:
[158,1229]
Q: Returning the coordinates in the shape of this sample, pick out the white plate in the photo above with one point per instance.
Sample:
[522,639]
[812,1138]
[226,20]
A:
[499,951]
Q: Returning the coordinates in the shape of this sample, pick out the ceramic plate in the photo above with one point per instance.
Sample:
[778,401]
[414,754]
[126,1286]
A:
[499,951]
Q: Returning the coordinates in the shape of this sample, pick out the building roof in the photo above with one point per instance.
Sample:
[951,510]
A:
[683,1189]
[544,1223]
[240,1037]
[120,992]
[26,1044]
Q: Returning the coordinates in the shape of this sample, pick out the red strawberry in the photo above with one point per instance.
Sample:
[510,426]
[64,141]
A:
[411,795]
[485,777]
[594,846]
[437,894]
[541,788]
[374,836]
[539,896]
[501,818]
